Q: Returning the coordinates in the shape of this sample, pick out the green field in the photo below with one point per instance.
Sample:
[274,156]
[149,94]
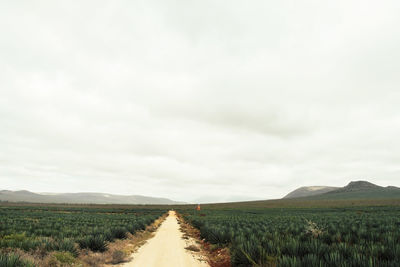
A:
[363,232]
[307,236]
[43,229]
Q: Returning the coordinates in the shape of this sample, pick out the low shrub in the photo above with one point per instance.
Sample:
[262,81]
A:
[64,257]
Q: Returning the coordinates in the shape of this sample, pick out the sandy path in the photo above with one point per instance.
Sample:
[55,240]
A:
[165,249]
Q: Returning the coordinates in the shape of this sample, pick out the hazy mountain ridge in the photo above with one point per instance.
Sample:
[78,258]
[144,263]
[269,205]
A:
[80,198]
[354,190]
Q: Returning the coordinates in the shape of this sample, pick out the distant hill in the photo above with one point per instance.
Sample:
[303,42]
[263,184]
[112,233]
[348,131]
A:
[306,191]
[354,190]
[80,198]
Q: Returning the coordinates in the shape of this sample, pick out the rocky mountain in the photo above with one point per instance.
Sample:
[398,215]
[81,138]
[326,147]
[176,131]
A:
[80,198]
[354,190]
[306,191]
[362,190]
[355,186]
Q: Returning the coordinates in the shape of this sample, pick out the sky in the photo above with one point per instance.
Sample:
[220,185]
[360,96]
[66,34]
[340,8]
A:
[198,101]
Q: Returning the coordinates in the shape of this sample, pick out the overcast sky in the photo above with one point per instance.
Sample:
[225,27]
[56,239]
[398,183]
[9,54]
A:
[198,100]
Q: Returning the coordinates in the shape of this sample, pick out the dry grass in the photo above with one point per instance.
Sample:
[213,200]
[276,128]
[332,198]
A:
[42,258]
[193,248]
[313,229]
[118,256]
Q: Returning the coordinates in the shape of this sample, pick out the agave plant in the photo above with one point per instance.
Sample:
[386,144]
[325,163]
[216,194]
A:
[94,243]
[13,260]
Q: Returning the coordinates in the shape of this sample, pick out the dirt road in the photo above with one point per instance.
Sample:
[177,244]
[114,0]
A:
[166,248]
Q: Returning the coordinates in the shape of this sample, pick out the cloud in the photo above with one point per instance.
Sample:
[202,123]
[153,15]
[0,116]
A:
[237,116]
[198,100]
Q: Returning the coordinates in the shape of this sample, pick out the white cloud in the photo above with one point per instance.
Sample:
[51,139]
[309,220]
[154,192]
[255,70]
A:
[198,100]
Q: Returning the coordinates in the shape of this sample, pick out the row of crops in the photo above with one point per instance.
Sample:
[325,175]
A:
[69,229]
[368,236]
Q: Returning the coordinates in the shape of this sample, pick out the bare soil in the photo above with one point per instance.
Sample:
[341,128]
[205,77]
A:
[216,256]
[167,248]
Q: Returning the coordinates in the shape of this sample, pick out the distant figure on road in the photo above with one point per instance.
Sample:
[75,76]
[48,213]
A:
[198,207]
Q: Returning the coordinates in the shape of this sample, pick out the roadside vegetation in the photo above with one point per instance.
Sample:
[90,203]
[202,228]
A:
[59,236]
[260,233]
[363,236]
[11,260]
